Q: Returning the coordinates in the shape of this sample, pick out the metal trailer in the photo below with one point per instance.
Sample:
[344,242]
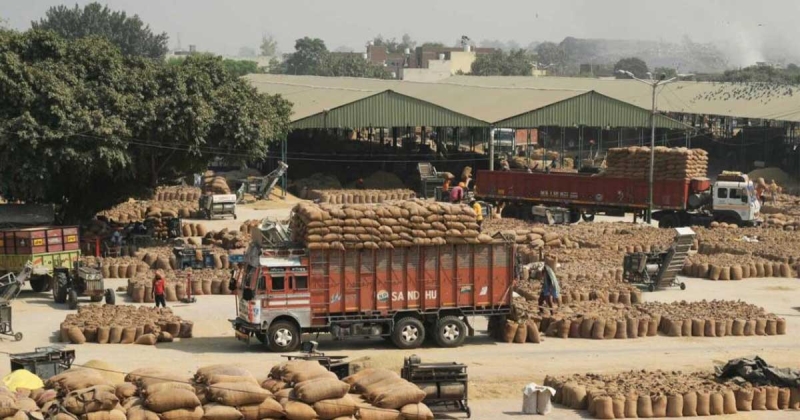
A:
[659,269]
[445,384]
[46,248]
[44,362]
[186,257]
[218,205]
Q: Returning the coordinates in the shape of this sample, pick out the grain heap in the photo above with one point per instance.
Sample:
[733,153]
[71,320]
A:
[388,225]
[319,181]
[177,193]
[124,324]
[717,318]
[359,196]
[204,282]
[670,163]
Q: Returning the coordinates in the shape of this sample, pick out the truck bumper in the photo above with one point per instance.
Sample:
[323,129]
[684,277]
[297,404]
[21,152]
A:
[243,329]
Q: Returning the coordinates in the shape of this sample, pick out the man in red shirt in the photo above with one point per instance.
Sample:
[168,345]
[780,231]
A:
[159,286]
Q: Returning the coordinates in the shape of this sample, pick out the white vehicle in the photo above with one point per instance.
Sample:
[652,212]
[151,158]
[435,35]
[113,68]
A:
[218,205]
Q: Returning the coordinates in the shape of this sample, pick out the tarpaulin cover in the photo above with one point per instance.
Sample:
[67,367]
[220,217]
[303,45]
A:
[757,372]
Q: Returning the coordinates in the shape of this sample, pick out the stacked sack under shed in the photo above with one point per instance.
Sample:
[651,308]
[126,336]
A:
[388,225]
[670,163]
[359,196]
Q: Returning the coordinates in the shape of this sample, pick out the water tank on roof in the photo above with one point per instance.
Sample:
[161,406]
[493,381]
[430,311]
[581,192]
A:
[407,51]
[441,56]
[467,47]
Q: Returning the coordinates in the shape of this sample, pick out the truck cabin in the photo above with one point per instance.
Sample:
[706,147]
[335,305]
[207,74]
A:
[275,281]
[737,195]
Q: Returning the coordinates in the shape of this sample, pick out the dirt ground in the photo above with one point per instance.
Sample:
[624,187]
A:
[498,371]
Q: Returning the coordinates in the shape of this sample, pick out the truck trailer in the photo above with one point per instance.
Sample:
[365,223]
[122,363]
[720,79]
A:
[47,248]
[404,295]
[679,203]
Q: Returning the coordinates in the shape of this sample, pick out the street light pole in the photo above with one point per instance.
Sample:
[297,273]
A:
[654,84]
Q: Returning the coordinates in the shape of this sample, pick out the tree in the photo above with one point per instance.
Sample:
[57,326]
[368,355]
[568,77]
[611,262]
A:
[668,72]
[129,33]
[394,46]
[269,46]
[309,53]
[86,126]
[552,57]
[239,68]
[499,63]
[434,44]
[637,66]
[351,65]
[247,52]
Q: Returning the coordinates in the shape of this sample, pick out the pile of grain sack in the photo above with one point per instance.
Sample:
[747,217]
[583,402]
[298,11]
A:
[734,267]
[177,193]
[670,163]
[388,225]
[204,282]
[602,320]
[359,196]
[758,252]
[124,324]
[646,394]
[296,390]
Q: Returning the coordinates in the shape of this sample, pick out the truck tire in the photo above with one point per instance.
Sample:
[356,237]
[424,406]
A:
[59,292]
[408,333]
[72,300]
[283,336]
[450,332]
[39,283]
[111,297]
[669,221]
[588,217]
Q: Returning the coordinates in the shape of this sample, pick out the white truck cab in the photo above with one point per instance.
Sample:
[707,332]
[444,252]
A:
[734,197]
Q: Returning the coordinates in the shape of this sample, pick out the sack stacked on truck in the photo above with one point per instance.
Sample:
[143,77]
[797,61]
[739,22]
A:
[670,163]
[360,196]
[388,225]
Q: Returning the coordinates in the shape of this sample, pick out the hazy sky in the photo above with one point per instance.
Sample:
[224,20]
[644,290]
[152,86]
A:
[225,26]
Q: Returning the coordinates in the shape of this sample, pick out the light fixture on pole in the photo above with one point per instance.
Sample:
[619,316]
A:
[662,80]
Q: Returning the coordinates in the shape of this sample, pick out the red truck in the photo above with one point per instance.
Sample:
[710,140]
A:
[402,294]
[731,198]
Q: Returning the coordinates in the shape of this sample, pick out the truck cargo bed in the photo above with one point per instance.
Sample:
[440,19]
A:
[475,278]
[580,190]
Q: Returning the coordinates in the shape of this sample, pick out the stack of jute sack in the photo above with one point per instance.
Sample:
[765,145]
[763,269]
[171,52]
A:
[670,163]
[24,404]
[204,282]
[716,318]
[646,394]
[123,324]
[359,196]
[387,225]
[734,267]
[177,193]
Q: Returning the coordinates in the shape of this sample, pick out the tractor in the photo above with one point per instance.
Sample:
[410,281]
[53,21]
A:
[68,285]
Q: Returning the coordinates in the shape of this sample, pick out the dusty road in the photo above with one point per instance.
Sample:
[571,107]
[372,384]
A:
[497,370]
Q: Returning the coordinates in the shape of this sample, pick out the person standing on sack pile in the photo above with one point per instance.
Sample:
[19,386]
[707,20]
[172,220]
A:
[478,213]
[159,289]
[457,193]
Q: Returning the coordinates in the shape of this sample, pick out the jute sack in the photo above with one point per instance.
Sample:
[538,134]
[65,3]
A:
[399,396]
[368,412]
[361,381]
[296,410]
[167,386]
[703,403]
[269,408]
[675,405]
[147,339]
[140,413]
[125,390]
[171,399]
[717,404]
[659,405]
[603,407]
[88,400]
[644,406]
[610,331]
[598,329]
[772,397]
[622,329]
[631,406]
[509,331]
[416,412]
[297,372]
[217,378]
[183,414]
[618,404]
[759,398]
[744,399]
[710,328]
[337,407]
[105,415]
[690,404]
[321,389]
[686,328]
[784,397]
[522,333]
[532,335]
[76,335]
[235,394]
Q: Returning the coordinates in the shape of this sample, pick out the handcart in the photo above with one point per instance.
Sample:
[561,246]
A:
[5,321]
[44,362]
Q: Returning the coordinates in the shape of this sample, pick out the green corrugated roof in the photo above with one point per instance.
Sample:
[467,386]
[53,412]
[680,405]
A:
[388,109]
[320,102]
[589,109]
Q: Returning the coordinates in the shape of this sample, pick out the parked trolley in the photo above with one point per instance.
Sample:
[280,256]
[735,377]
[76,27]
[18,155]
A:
[445,384]
[44,362]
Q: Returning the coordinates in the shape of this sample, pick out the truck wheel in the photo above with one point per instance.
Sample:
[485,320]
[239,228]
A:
[408,333]
[450,332]
[59,292]
[587,217]
[283,336]
[39,283]
[574,216]
[111,298]
[72,300]
[668,221]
